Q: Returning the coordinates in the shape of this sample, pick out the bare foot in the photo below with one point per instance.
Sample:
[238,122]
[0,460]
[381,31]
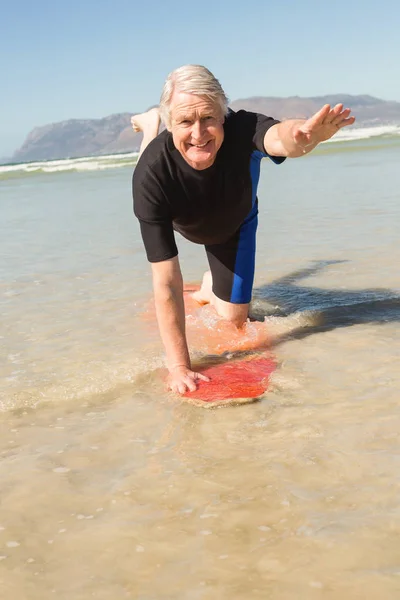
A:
[204,294]
[148,122]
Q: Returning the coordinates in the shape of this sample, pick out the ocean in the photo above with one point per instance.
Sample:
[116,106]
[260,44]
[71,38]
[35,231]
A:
[112,488]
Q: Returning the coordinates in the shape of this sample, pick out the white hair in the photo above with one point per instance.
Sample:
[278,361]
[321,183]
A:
[191,79]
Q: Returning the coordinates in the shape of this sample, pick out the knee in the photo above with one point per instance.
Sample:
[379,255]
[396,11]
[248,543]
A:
[238,320]
[234,313]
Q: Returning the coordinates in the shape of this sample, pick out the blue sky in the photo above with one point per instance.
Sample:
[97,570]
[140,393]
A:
[89,59]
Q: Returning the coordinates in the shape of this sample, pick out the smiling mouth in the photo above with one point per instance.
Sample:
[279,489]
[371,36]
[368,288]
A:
[199,145]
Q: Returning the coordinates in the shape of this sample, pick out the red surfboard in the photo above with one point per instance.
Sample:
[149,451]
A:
[235,381]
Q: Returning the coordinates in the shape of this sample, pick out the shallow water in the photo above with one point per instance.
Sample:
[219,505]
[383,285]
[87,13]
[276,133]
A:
[111,488]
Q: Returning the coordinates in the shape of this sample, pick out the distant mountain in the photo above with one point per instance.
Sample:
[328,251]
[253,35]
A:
[369,111]
[113,134]
[79,137]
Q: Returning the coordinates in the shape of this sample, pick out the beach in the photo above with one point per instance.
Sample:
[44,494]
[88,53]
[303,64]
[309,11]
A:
[111,487]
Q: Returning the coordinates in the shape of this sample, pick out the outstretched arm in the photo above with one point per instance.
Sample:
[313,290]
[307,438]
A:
[296,137]
[170,310]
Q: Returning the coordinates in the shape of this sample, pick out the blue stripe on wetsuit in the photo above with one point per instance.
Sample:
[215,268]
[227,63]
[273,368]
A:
[245,259]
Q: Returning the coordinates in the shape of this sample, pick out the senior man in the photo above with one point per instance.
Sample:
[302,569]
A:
[199,177]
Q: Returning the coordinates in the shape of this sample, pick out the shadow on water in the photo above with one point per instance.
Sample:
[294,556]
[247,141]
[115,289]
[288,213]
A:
[330,309]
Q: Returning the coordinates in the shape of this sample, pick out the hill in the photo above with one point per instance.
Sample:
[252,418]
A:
[113,134]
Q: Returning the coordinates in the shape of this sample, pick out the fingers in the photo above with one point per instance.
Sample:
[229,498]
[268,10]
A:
[330,116]
[319,117]
[343,119]
[184,386]
[339,117]
[202,377]
[323,125]
[181,383]
[189,382]
[346,122]
[335,113]
[180,387]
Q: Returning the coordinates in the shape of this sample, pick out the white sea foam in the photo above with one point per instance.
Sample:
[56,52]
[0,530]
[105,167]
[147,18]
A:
[363,133]
[113,161]
[85,163]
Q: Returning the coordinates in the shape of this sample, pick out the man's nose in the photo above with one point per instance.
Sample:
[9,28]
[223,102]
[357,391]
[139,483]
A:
[197,130]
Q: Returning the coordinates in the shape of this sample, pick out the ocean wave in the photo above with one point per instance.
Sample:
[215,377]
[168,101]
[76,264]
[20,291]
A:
[114,161]
[85,163]
[364,133]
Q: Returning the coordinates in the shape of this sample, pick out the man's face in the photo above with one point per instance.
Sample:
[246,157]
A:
[197,128]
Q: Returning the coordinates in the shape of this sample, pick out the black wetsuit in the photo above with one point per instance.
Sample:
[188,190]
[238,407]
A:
[216,207]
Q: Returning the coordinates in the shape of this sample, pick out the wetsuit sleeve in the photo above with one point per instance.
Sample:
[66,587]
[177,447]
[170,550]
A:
[263,123]
[152,209]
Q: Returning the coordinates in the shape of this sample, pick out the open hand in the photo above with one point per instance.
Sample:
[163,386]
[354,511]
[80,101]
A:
[182,379]
[323,125]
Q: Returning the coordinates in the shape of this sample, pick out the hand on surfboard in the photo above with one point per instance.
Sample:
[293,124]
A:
[181,379]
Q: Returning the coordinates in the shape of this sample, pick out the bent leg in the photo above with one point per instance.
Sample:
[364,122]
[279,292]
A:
[236,313]
[232,267]
[149,123]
